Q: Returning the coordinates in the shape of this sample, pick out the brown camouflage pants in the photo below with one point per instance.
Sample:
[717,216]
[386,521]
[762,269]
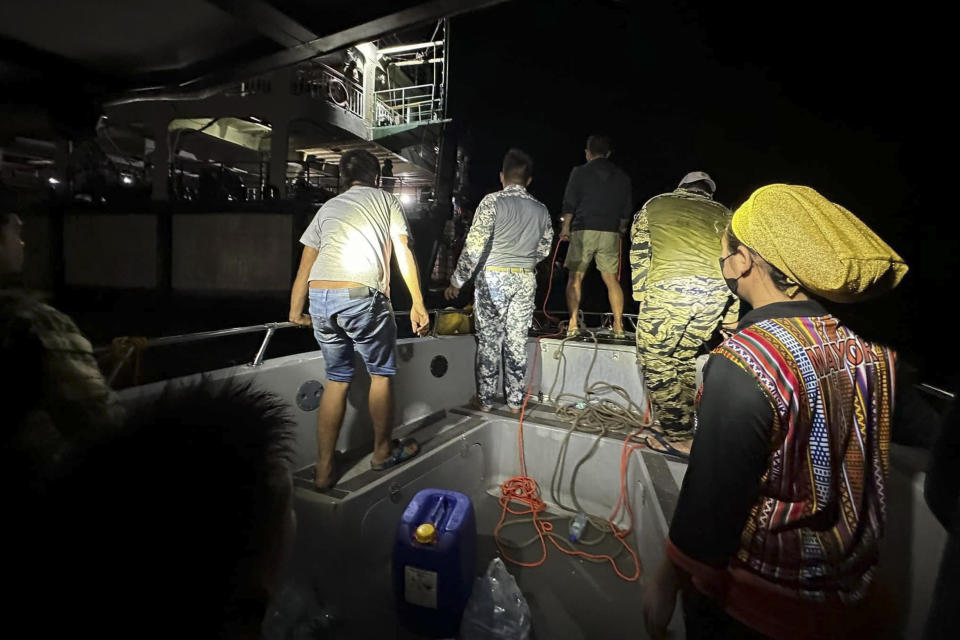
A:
[676,318]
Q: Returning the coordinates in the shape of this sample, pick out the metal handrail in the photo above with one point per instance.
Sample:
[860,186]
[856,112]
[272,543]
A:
[270,328]
[206,335]
[402,105]
[936,391]
[186,338]
[319,87]
[233,331]
[419,90]
[604,314]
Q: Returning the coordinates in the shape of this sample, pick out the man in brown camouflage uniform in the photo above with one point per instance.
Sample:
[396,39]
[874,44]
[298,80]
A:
[674,242]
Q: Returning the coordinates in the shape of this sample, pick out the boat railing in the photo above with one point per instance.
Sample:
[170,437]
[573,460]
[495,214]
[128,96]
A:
[936,392]
[407,105]
[315,80]
[131,346]
[124,348]
[322,82]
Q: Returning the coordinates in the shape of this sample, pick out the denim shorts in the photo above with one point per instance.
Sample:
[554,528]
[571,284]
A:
[361,319]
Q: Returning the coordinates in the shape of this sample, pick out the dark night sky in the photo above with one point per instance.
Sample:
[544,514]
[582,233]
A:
[846,101]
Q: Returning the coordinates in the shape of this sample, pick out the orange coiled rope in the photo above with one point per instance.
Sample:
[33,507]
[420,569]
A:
[520,495]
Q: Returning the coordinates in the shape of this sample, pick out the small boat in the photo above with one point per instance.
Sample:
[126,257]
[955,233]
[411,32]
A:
[341,564]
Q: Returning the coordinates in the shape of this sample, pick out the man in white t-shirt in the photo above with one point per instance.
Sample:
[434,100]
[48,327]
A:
[345,269]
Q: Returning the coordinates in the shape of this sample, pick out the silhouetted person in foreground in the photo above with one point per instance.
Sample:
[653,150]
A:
[54,399]
[176,528]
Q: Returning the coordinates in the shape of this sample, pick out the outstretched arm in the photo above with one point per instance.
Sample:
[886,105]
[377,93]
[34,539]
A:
[407,263]
[478,239]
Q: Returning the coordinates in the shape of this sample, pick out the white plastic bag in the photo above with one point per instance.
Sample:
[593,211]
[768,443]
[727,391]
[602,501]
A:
[497,609]
[294,615]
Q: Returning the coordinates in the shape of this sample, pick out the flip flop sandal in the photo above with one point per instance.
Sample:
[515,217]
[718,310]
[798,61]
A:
[667,449]
[402,451]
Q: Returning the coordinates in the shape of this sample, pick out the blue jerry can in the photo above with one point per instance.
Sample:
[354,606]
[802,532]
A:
[434,561]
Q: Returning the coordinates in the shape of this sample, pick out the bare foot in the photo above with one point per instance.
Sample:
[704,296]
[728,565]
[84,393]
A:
[323,480]
[514,411]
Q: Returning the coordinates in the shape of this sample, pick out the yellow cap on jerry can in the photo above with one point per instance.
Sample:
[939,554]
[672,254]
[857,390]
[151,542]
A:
[425,533]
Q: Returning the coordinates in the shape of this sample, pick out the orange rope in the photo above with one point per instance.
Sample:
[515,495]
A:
[524,491]
[553,264]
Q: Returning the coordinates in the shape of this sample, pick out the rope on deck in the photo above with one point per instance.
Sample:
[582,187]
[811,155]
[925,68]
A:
[121,350]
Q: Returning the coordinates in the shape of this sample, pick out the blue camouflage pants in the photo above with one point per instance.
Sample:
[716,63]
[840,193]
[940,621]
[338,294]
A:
[503,308]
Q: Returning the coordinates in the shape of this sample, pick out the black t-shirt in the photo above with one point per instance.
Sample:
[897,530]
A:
[599,196]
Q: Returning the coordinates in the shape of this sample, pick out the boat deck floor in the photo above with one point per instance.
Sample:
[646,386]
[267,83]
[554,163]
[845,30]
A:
[353,467]
[569,597]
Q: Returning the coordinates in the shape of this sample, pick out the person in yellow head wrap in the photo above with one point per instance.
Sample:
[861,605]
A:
[814,244]
[776,528]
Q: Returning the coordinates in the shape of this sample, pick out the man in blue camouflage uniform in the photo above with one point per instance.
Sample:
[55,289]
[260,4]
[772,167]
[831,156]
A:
[675,238]
[511,233]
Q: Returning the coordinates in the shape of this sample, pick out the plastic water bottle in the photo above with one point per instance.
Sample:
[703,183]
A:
[577,525]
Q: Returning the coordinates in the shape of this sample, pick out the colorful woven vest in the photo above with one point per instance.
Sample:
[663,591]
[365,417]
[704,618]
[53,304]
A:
[816,525]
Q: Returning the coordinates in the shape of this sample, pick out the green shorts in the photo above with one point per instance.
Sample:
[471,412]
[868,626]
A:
[589,246]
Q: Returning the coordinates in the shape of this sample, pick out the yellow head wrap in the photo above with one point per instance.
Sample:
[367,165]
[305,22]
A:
[819,245]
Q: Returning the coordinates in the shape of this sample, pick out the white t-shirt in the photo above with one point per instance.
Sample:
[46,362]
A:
[353,234]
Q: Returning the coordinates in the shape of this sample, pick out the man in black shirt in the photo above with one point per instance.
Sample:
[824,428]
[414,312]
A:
[597,203]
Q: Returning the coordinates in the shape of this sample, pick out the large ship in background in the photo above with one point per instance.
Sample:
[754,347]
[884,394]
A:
[182,164]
